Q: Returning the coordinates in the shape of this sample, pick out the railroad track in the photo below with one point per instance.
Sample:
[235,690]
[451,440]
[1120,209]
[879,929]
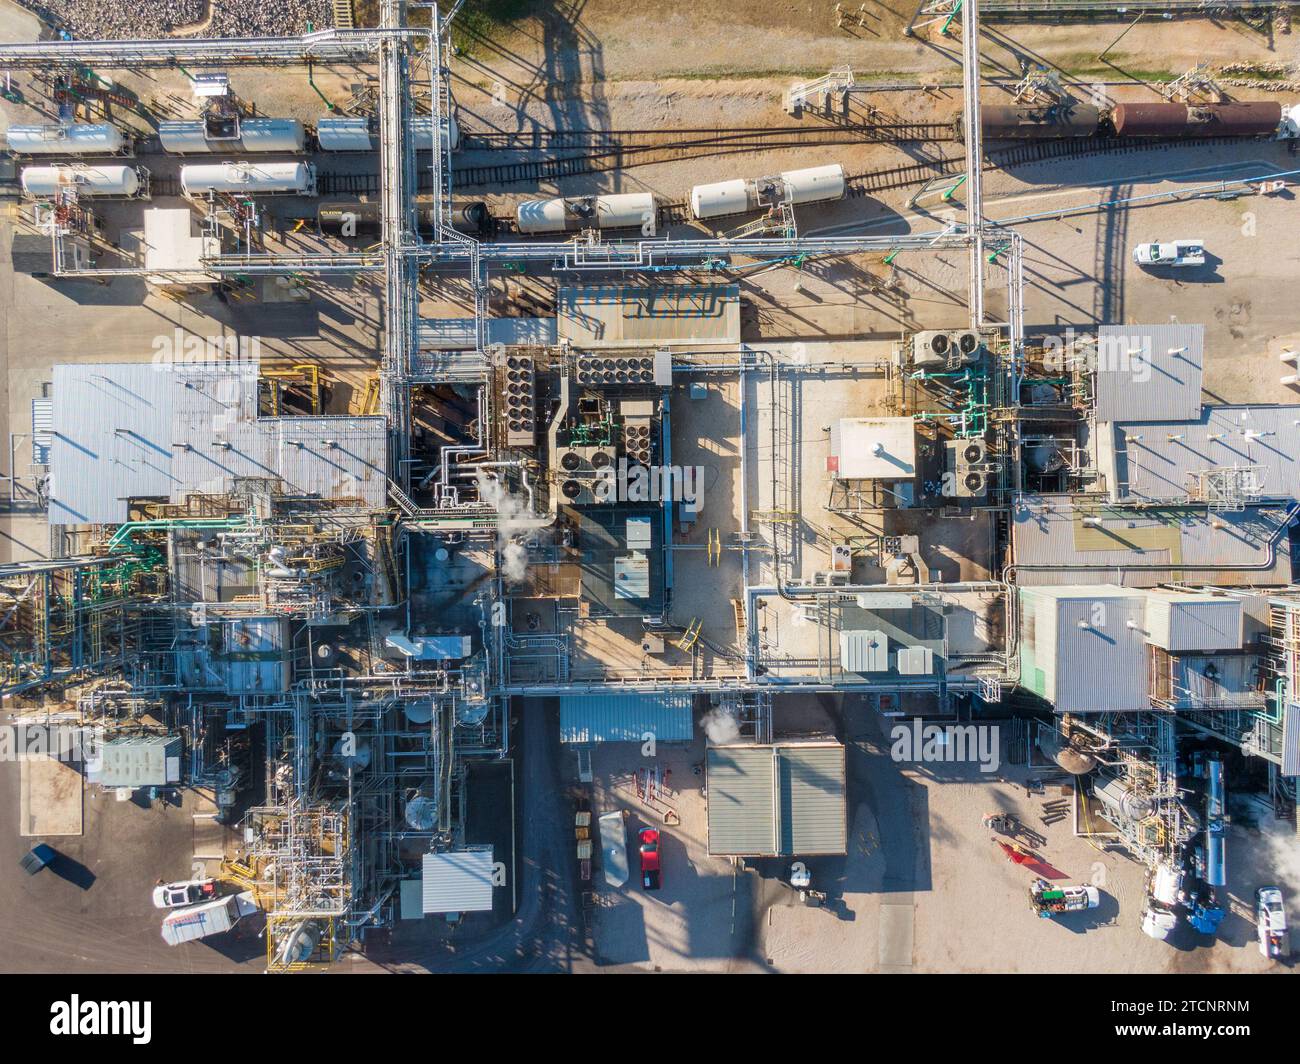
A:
[861,184]
[607,150]
[747,136]
[1039,151]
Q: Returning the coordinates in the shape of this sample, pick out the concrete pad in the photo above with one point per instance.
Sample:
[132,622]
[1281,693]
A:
[896,937]
[49,798]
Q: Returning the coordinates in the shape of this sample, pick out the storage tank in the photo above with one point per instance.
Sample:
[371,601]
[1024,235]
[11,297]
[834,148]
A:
[1117,797]
[1008,122]
[47,181]
[265,178]
[255,135]
[66,139]
[816,184]
[624,211]
[358,134]
[1197,120]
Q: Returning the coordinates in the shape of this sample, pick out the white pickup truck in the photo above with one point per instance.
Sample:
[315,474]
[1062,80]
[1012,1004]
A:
[1170,253]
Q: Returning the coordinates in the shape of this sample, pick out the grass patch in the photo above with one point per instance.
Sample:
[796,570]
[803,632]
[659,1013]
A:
[479,20]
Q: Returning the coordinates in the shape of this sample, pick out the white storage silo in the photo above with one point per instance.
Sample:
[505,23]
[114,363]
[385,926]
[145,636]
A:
[47,181]
[264,178]
[816,184]
[78,138]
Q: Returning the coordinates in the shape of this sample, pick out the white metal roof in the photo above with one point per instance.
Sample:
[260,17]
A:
[1154,461]
[144,430]
[458,881]
[874,448]
[1149,372]
[1052,545]
[786,798]
[1083,648]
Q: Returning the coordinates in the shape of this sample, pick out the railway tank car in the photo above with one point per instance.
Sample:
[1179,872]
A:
[1197,120]
[47,182]
[1016,122]
[65,138]
[285,135]
[359,134]
[294,179]
[336,217]
[628,210]
[814,184]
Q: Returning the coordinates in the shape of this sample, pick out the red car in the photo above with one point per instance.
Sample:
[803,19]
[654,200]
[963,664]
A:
[649,858]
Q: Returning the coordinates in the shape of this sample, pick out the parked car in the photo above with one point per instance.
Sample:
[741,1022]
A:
[37,858]
[650,858]
[1170,253]
[1270,922]
[190,892]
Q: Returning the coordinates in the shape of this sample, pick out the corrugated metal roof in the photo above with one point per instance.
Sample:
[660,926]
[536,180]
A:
[1186,622]
[864,651]
[1291,740]
[458,333]
[1048,530]
[811,805]
[111,441]
[742,814]
[1151,372]
[615,718]
[1079,650]
[641,315]
[137,761]
[1161,465]
[458,882]
[786,799]
[42,429]
[142,430]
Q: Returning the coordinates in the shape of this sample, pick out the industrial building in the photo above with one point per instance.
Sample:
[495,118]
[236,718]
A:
[329,606]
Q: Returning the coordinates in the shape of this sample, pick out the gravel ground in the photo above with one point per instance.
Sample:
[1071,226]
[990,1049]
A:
[127,19]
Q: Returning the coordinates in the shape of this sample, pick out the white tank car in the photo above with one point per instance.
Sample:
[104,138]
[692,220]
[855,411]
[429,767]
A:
[257,178]
[629,210]
[42,182]
[255,135]
[81,138]
[816,184]
[357,134]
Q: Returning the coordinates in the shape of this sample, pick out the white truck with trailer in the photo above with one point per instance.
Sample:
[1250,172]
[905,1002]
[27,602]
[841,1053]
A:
[210,918]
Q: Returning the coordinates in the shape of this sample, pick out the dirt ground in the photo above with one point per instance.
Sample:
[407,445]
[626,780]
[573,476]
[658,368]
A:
[557,45]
